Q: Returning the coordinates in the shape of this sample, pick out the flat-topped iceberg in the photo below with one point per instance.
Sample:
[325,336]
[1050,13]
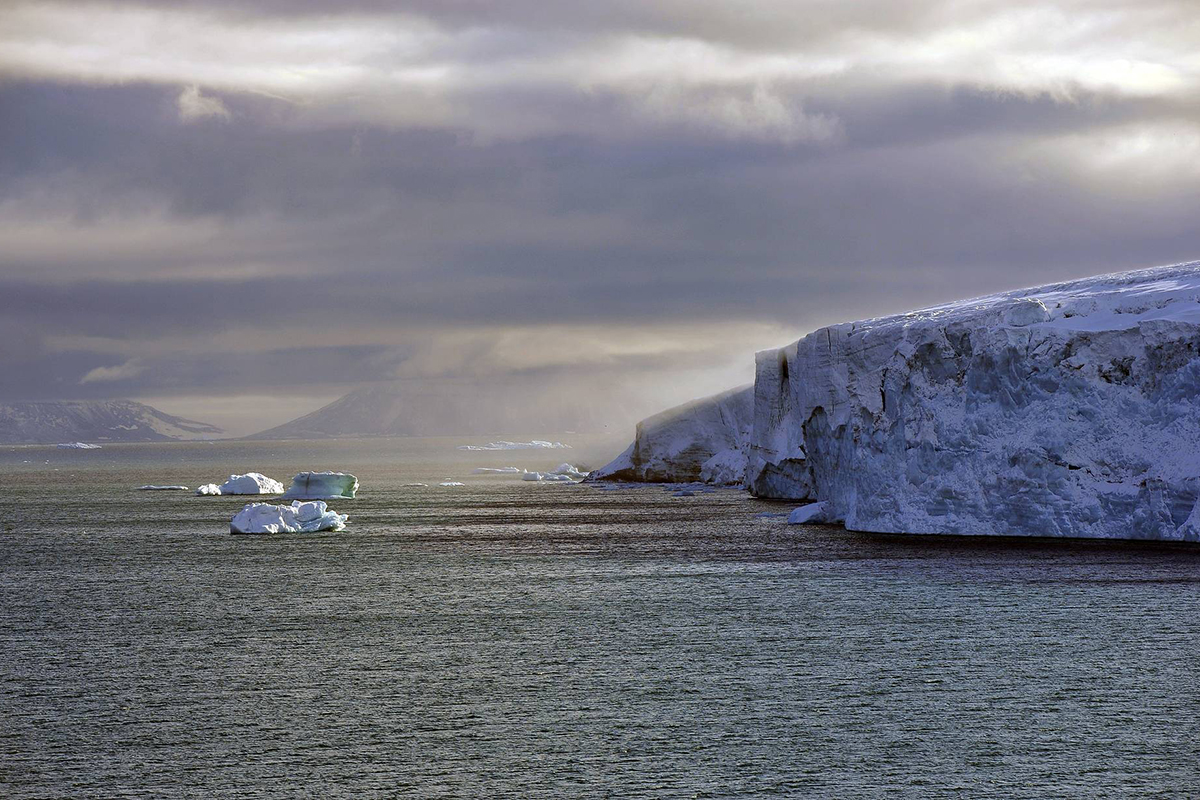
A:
[704,440]
[250,483]
[322,486]
[1066,410]
[497,471]
[297,518]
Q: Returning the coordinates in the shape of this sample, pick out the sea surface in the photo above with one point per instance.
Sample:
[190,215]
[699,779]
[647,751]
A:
[511,639]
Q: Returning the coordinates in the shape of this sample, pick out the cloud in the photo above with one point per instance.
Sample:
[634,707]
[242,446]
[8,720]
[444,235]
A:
[608,194]
[193,105]
[121,372]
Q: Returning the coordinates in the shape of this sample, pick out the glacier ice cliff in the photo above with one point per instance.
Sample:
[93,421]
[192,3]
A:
[704,440]
[1071,410]
[296,518]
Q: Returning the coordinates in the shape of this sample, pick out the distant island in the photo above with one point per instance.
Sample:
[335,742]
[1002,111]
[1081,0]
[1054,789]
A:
[446,407]
[95,421]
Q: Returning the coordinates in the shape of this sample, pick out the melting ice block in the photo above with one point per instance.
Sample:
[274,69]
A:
[322,486]
[297,518]
[811,514]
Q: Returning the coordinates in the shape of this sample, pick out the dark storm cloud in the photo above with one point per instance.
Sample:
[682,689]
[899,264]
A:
[452,170]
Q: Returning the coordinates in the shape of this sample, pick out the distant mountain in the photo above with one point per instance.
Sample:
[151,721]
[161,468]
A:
[448,407]
[95,421]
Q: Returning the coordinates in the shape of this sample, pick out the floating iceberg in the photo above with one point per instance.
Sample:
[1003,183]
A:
[536,444]
[297,518]
[250,483]
[497,471]
[78,446]
[156,488]
[811,514]
[451,483]
[547,477]
[704,440]
[322,486]
[417,485]
[569,470]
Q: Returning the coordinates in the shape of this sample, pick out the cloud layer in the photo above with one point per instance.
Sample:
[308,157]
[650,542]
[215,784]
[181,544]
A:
[214,198]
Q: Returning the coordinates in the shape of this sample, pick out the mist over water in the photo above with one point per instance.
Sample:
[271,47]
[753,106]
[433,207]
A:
[524,640]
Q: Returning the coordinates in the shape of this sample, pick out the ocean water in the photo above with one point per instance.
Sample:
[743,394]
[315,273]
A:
[508,639]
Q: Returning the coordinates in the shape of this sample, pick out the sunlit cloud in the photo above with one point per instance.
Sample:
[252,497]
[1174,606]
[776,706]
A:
[193,105]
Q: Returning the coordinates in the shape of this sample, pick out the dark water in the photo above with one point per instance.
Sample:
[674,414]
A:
[507,639]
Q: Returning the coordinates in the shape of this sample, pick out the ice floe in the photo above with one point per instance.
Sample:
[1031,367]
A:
[151,487]
[78,446]
[536,444]
[497,471]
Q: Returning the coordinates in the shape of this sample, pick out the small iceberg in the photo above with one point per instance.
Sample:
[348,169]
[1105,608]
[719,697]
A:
[417,485]
[536,444]
[250,483]
[78,446]
[151,487]
[451,483]
[322,486]
[811,514]
[497,471]
[297,518]
[569,470]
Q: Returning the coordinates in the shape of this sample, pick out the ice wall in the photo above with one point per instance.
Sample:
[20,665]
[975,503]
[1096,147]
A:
[1065,410]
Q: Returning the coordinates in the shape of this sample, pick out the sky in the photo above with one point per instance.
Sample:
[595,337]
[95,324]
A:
[238,211]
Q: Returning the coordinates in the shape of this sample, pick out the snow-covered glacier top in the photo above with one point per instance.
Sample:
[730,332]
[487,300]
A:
[1115,301]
